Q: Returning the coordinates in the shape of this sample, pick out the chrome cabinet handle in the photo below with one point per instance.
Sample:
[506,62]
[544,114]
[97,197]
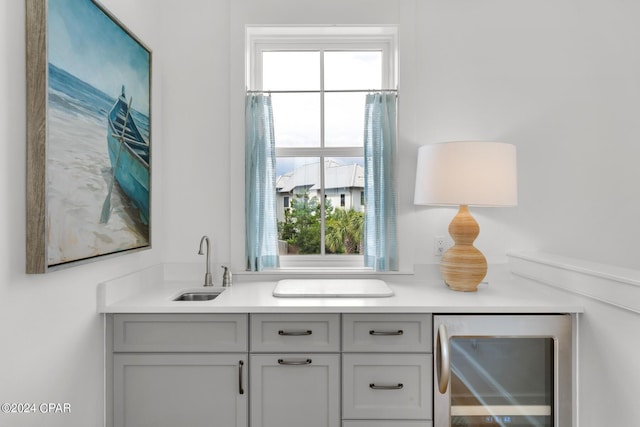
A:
[386,333]
[240,368]
[373,386]
[294,362]
[443,362]
[294,333]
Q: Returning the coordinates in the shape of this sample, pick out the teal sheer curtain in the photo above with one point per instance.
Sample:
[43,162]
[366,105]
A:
[381,246]
[260,180]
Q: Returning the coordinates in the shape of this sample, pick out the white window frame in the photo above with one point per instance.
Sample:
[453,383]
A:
[261,39]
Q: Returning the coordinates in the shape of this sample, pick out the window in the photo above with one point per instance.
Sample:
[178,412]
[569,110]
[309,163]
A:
[318,79]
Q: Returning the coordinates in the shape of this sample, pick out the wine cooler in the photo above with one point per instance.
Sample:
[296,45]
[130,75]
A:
[502,370]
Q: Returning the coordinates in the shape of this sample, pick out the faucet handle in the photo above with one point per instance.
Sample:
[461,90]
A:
[226,277]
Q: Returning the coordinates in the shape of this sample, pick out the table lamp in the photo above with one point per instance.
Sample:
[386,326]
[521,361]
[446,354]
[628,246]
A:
[465,173]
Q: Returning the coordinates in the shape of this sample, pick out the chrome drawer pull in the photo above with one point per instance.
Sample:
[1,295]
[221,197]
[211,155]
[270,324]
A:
[294,362]
[294,333]
[386,333]
[386,387]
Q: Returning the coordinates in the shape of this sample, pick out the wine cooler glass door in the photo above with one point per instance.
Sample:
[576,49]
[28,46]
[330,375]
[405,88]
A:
[499,377]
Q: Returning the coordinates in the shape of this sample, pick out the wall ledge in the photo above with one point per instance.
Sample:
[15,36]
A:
[610,284]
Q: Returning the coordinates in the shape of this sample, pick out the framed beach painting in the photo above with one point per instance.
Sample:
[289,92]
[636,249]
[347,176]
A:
[88,136]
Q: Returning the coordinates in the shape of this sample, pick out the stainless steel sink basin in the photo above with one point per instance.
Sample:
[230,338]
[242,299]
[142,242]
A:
[197,295]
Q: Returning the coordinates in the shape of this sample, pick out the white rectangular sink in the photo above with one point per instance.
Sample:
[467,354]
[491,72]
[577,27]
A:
[332,288]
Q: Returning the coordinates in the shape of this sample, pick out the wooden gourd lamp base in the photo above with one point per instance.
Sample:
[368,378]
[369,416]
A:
[463,266]
[466,173]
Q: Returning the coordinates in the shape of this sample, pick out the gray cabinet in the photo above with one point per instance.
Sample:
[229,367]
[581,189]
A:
[295,390]
[168,390]
[295,370]
[318,333]
[181,333]
[272,370]
[177,369]
[386,370]
[387,386]
[380,332]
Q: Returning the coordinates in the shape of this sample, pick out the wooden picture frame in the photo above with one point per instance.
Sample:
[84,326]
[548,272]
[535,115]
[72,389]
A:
[88,136]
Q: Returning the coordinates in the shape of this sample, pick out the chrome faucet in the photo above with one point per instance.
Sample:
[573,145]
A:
[207,276]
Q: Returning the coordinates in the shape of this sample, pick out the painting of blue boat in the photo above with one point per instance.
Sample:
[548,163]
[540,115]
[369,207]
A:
[98,120]
[129,155]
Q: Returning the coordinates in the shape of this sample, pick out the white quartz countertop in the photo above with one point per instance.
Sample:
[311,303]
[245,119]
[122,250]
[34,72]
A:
[502,294]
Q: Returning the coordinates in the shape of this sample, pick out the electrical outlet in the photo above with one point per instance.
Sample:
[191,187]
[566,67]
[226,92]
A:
[439,245]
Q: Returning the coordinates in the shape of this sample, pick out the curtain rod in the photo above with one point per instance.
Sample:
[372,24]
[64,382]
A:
[325,91]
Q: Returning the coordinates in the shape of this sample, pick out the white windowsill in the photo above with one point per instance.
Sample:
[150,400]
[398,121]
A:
[323,272]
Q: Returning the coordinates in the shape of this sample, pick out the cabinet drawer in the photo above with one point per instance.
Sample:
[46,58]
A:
[387,386]
[295,333]
[369,423]
[386,333]
[180,333]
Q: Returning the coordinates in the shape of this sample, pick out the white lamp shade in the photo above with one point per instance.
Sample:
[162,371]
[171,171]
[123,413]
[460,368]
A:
[467,173]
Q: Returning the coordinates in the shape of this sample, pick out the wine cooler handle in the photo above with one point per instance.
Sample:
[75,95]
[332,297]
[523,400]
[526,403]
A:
[443,366]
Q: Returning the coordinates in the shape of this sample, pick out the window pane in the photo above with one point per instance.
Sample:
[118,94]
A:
[344,182]
[298,178]
[353,70]
[291,70]
[296,119]
[344,119]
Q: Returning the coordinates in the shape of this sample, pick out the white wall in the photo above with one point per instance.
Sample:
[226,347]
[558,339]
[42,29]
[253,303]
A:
[582,171]
[51,335]
[196,130]
[561,81]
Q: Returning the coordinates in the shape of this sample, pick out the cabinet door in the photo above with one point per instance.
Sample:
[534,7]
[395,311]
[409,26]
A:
[295,390]
[168,390]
